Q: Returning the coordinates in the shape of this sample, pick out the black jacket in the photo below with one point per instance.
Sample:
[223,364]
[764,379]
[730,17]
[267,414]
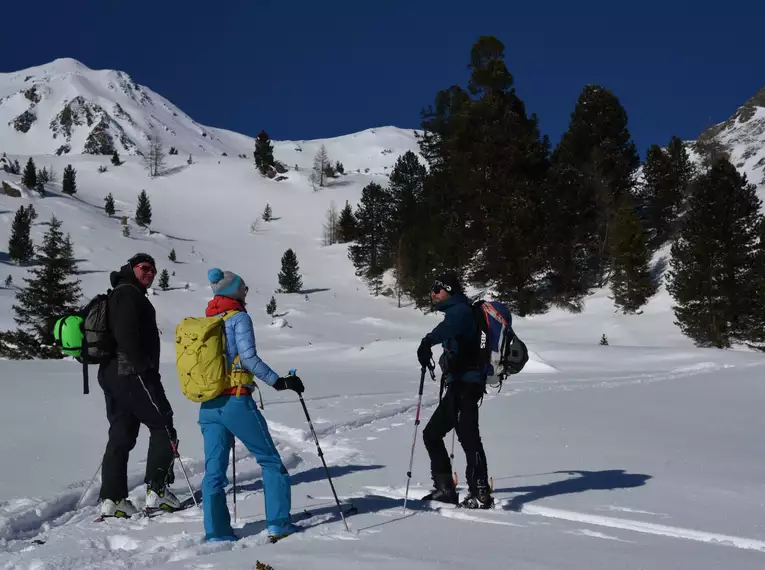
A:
[133,323]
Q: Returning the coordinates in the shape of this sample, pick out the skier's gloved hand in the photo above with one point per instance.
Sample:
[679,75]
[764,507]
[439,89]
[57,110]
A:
[424,354]
[291,382]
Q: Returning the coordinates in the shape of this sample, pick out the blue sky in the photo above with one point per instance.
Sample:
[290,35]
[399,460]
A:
[304,69]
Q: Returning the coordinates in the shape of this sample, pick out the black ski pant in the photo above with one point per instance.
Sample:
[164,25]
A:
[458,410]
[128,405]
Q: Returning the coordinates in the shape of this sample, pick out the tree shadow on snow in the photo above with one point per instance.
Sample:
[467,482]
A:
[586,481]
[309,291]
[174,170]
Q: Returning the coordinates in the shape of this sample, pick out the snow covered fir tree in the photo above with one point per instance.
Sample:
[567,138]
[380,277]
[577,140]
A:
[51,291]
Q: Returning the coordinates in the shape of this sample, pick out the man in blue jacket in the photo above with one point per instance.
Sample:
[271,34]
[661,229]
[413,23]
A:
[465,385]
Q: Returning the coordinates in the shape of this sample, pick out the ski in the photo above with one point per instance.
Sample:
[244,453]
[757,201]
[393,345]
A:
[150,512]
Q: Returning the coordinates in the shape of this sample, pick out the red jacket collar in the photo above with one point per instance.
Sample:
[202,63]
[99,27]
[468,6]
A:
[220,304]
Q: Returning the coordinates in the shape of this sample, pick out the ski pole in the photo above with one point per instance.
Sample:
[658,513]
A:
[416,426]
[85,492]
[451,457]
[233,467]
[173,444]
[321,455]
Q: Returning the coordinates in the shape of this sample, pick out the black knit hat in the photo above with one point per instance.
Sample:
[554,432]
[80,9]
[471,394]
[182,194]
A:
[139,258]
[449,282]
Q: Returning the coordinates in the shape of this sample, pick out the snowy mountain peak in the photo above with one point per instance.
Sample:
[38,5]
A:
[65,107]
[742,137]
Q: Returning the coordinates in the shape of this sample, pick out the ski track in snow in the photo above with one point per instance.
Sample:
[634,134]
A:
[645,527]
[23,520]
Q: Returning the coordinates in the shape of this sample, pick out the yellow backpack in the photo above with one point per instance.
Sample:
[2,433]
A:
[200,358]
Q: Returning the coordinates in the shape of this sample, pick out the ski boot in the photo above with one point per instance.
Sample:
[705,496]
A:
[161,498]
[444,491]
[480,498]
[276,532]
[121,508]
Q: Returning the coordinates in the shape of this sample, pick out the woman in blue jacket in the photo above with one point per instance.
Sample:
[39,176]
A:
[235,414]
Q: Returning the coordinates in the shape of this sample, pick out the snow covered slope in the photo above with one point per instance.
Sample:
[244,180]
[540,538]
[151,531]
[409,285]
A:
[65,107]
[742,137]
[642,454]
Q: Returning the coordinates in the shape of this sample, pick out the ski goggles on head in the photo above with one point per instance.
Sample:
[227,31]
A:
[439,286]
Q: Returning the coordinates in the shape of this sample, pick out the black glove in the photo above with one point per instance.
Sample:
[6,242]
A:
[290,383]
[424,354]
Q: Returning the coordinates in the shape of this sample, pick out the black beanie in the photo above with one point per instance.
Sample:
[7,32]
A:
[139,258]
[450,282]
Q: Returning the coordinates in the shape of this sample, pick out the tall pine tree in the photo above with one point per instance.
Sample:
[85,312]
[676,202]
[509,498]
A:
[20,247]
[51,291]
[346,224]
[290,280]
[484,193]
[599,145]
[29,178]
[69,184]
[718,267]
[116,159]
[264,153]
[667,175]
[371,254]
[143,210]
[631,281]
[406,184]
[571,230]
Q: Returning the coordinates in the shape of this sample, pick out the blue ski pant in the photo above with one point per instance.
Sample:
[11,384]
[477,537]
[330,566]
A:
[222,419]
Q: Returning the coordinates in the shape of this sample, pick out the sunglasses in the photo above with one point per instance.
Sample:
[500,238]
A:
[146,268]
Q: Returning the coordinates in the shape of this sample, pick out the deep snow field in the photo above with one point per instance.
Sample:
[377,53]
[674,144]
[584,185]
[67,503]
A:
[645,454]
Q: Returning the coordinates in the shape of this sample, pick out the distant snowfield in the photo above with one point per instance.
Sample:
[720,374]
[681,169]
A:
[643,454]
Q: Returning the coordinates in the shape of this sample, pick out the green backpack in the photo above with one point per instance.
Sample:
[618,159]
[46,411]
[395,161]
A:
[85,335]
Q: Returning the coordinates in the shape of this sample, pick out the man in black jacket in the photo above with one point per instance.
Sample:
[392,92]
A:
[134,393]
[465,382]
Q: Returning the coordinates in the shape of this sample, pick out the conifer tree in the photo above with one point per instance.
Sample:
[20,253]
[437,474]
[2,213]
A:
[31,213]
[268,214]
[43,177]
[346,224]
[143,210]
[718,262]
[164,280]
[667,175]
[572,239]
[109,205]
[631,281]
[290,280]
[69,185]
[51,291]
[172,257]
[599,145]
[29,178]
[264,153]
[656,194]
[371,254]
[116,159]
[271,307]
[20,247]
[8,281]
[126,231]
[484,192]
[16,167]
